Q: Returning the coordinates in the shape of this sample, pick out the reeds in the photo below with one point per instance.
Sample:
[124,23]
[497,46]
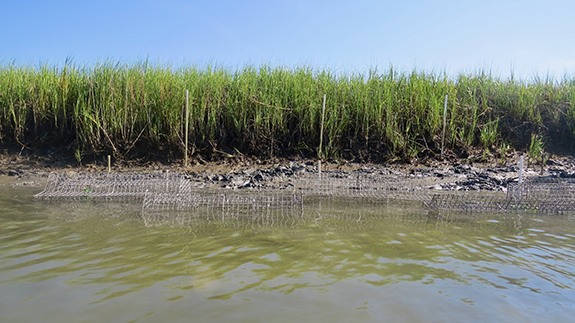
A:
[128,109]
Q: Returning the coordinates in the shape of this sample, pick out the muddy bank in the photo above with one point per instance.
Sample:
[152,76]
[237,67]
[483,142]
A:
[461,175]
[456,177]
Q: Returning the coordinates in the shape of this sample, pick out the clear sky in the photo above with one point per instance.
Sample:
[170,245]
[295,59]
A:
[532,38]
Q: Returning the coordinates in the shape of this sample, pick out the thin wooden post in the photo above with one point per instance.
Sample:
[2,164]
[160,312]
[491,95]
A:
[186,130]
[109,164]
[521,169]
[444,124]
[319,152]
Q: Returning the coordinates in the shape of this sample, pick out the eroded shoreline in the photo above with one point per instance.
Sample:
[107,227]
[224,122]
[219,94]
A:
[255,174]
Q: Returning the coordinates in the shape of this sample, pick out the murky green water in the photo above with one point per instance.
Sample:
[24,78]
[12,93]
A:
[339,263]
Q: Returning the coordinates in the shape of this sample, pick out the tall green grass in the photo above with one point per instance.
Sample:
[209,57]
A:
[129,109]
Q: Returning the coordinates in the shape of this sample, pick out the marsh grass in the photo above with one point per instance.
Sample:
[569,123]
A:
[536,147]
[133,109]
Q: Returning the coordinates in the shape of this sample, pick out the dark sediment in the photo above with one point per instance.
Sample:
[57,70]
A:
[280,174]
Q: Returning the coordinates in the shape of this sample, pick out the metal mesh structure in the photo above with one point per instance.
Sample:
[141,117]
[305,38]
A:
[376,187]
[465,203]
[112,186]
[544,195]
[164,194]
[223,201]
[259,208]
[539,195]
[468,203]
[543,188]
[341,215]
[289,217]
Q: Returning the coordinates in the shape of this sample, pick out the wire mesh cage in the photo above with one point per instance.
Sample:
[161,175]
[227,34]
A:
[539,195]
[469,202]
[290,217]
[371,186]
[262,207]
[164,194]
[112,186]
[543,188]
[223,200]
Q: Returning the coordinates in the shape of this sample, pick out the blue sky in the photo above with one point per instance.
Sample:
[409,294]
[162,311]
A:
[532,38]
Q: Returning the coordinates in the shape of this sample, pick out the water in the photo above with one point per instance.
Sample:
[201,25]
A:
[340,262]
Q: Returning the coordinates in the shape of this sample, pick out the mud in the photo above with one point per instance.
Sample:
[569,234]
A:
[461,175]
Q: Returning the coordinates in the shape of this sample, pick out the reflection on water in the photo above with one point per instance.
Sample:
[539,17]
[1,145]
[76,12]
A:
[337,261]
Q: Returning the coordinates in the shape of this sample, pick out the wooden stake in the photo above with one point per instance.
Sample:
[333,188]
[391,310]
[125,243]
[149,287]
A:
[521,169]
[109,164]
[321,128]
[186,130]
[319,152]
[444,124]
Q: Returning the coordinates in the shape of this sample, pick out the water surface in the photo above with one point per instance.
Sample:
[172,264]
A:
[336,262]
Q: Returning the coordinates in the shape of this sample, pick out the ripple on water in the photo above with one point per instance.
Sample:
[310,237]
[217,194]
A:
[360,263]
